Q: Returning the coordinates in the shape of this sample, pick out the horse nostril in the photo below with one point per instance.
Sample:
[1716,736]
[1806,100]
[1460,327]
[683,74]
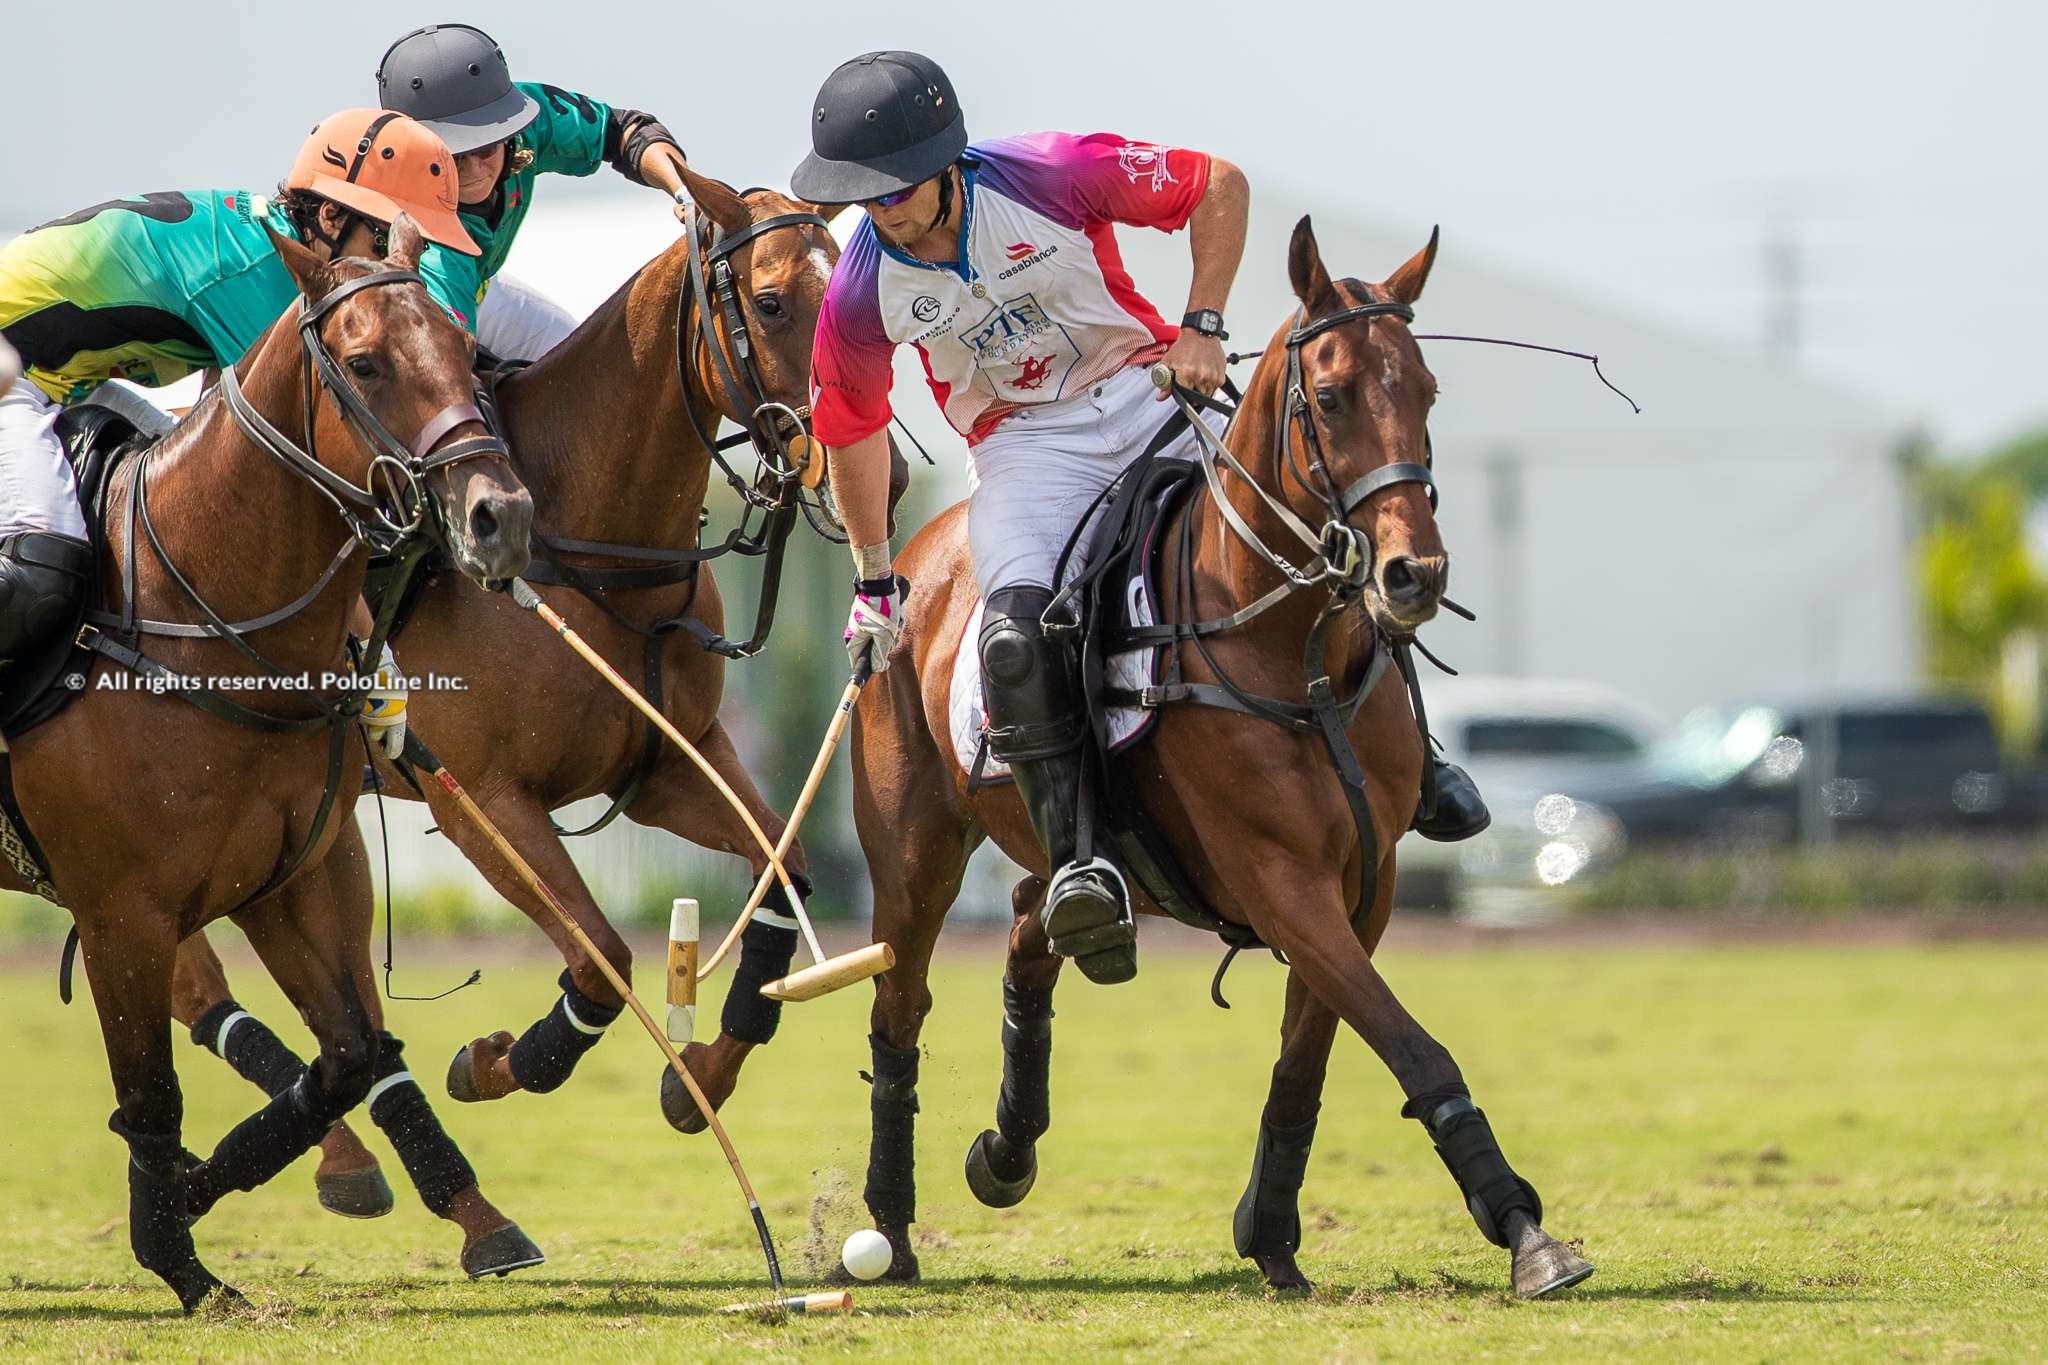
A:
[1401,579]
[483,523]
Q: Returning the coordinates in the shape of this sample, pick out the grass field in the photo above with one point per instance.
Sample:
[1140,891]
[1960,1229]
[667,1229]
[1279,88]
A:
[1772,1153]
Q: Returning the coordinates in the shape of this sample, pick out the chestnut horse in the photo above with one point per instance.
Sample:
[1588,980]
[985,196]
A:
[155,818]
[1254,813]
[610,431]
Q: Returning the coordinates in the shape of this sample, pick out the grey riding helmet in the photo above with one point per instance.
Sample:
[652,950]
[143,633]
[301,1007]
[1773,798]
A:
[454,79]
[882,122]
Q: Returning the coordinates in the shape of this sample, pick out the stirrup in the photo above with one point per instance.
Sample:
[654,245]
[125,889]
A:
[1087,917]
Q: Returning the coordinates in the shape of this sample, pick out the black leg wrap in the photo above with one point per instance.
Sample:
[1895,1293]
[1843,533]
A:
[891,1192]
[256,1054]
[437,1166]
[766,951]
[159,1233]
[1024,1108]
[263,1144]
[548,1051]
[1268,1217]
[1465,1142]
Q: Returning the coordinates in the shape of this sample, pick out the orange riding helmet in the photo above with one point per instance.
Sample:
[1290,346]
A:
[382,164]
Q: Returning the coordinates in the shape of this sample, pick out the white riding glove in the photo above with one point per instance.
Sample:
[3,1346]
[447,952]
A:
[876,621]
[384,707]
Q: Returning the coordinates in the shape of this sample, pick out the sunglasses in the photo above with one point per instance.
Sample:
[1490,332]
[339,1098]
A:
[890,201]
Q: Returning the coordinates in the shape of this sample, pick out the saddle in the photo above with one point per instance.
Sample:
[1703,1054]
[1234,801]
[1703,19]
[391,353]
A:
[99,433]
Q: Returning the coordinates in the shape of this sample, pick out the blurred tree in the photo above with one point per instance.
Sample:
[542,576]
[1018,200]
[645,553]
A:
[1980,588]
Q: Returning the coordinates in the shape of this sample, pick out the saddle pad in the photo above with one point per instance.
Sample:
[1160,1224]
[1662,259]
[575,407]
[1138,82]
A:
[968,716]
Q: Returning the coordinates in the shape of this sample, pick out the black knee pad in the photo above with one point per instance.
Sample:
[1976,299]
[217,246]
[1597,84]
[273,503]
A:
[891,1191]
[765,954]
[256,1054]
[42,578]
[436,1166]
[1028,679]
[548,1051]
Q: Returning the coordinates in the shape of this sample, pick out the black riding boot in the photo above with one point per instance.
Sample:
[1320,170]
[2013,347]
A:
[1460,811]
[1038,726]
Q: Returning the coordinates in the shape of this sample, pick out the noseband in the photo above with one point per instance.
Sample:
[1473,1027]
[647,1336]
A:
[402,465]
[774,427]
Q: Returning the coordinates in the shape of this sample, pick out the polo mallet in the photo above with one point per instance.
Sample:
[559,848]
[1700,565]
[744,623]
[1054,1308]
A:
[824,975]
[417,751]
[850,967]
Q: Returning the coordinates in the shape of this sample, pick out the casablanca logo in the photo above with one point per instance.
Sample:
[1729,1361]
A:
[925,308]
[1139,160]
[1017,251]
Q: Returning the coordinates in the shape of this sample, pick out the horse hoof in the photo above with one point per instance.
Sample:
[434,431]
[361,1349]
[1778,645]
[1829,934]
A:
[500,1252]
[678,1106]
[462,1077]
[194,1285]
[1283,1276]
[1547,1267]
[355,1194]
[989,1159]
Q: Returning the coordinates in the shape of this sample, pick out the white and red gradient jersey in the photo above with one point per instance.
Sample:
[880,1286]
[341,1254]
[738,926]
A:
[1039,306]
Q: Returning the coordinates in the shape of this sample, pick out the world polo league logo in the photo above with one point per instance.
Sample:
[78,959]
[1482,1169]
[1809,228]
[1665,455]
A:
[925,308]
[1017,332]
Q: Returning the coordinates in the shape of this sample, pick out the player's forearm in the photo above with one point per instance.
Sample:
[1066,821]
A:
[860,486]
[659,167]
[1216,233]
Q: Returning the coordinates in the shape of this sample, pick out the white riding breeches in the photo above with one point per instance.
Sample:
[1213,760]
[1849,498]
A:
[518,322]
[37,491]
[1032,479]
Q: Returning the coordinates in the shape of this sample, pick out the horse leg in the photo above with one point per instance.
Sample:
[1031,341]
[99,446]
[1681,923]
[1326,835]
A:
[1002,1164]
[349,1181]
[1267,1226]
[1332,961]
[916,845]
[298,935]
[542,1057]
[680,799]
[492,1244]
[128,951]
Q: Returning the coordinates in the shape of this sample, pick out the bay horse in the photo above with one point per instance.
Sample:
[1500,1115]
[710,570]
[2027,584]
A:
[153,816]
[1255,815]
[612,431]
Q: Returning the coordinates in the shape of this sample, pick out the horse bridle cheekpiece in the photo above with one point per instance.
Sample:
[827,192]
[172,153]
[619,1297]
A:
[1348,551]
[379,522]
[780,432]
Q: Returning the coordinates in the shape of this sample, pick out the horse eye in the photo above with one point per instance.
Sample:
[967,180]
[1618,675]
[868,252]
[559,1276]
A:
[361,367]
[1327,400]
[769,305]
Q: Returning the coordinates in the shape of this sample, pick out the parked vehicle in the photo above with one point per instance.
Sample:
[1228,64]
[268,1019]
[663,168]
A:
[1520,738]
[1774,774]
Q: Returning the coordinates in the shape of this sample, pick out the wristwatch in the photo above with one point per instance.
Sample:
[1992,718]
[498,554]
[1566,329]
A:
[1207,321]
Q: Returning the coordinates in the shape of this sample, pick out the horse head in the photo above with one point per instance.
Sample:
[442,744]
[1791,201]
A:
[395,358]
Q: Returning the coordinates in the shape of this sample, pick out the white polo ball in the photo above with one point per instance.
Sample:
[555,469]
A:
[866,1255]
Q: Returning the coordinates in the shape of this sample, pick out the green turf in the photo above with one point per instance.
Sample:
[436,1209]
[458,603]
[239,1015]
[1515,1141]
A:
[1772,1153]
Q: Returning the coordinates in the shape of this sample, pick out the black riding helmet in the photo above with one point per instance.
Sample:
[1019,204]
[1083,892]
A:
[454,79]
[882,122]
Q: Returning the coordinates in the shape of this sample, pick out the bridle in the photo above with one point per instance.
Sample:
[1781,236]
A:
[375,522]
[776,429]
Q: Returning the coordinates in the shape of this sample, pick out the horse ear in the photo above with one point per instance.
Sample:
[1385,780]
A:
[719,201]
[407,242]
[1305,268]
[1405,284]
[307,270]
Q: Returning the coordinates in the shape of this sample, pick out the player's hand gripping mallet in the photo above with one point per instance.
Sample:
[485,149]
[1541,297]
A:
[824,975]
[418,753]
[852,967]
